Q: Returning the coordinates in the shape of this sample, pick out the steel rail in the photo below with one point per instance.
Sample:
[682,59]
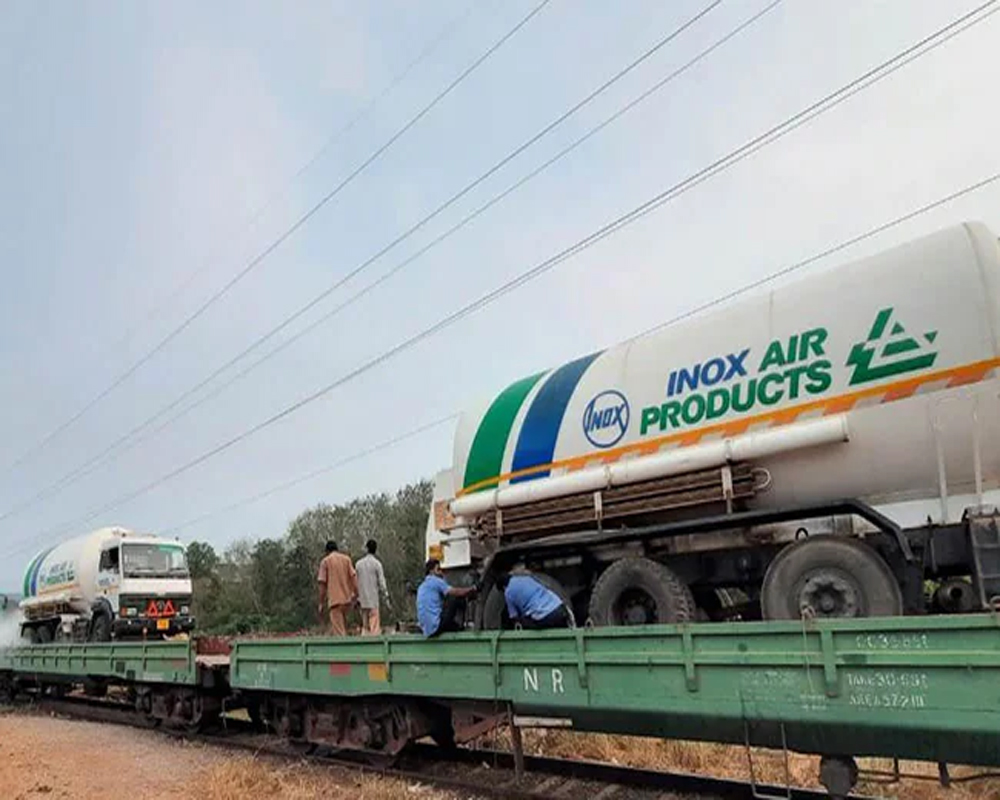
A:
[483,772]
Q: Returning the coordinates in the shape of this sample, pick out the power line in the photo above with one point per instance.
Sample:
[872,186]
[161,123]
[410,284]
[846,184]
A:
[343,462]
[799,265]
[868,234]
[100,458]
[281,239]
[449,28]
[783,272]
[794,122]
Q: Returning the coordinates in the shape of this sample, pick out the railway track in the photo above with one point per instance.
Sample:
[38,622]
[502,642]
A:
[468,771]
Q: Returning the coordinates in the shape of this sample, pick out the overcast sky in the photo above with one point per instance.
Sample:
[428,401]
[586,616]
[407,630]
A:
[139,140]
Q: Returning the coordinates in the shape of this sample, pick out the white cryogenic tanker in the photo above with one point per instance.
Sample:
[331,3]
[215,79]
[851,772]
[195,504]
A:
[668,476]
[111,582]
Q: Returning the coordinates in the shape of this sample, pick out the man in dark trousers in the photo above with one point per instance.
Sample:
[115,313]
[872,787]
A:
[438,603]
[531,604]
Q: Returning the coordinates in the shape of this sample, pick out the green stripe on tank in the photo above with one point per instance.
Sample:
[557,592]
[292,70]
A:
[27,576]
[486,454]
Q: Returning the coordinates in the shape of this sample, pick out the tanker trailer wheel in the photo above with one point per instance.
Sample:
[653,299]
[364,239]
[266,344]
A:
[639,591]
[829,576]
[495,616]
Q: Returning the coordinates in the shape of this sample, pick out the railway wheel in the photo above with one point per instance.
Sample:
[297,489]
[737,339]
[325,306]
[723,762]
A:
[639,591]
[830,576]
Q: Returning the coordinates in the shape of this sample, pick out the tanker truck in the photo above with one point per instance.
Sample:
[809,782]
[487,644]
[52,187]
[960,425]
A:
[112,583]
[827,448]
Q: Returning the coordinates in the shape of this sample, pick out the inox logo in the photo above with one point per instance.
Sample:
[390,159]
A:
[605,419]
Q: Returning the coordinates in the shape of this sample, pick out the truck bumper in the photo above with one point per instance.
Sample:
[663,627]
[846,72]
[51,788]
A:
[132,627]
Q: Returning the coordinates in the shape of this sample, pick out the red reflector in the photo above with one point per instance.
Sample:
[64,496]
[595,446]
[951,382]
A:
[168,609]
[152,610]
[340,670]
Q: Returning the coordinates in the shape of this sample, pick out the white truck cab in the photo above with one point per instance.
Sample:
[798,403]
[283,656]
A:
[110,583]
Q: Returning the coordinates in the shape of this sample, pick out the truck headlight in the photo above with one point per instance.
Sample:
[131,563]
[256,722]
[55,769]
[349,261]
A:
[133,611]
[185,611]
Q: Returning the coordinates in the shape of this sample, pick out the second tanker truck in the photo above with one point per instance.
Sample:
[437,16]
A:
[112,583]
[829,448]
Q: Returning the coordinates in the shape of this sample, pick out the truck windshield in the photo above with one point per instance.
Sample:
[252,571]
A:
[153,560]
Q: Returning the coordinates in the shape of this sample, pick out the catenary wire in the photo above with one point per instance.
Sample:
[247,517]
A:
[342,462]
[827,103]
[277,242]
[771,277]
[102,457]
[442,35]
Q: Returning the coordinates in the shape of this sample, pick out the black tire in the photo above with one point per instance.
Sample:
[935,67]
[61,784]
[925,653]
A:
[42,634]
[100,628]
[829,577]
[639,591]
[495,616]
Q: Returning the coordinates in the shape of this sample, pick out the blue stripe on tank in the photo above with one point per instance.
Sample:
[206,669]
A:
[536,442]
[35,570]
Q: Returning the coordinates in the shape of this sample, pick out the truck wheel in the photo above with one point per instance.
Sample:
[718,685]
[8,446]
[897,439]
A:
[100,630]
[639,591]
[495,615]
[42,634]
[829,576]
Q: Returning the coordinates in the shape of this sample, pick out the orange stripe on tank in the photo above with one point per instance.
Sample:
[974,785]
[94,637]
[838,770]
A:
[969,377]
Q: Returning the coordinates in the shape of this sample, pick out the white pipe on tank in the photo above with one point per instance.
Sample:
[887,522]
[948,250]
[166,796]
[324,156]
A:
[746,447]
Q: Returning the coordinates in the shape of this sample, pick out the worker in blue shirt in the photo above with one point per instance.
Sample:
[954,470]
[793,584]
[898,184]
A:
[531,604]
[438,603]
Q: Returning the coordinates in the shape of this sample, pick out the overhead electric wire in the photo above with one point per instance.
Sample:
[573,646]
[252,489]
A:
[828,102]
[281,239]
[798,265]
[100,458]
[784,271]
[342,462]
[435,42]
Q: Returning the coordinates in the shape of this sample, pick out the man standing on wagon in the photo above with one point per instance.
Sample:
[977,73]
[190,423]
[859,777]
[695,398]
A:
[338,587]
[371,585]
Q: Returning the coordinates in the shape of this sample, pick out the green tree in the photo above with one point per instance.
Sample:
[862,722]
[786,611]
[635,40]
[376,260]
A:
[202,560]
[270,584]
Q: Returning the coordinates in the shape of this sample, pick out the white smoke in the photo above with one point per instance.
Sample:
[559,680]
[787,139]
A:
[10,629]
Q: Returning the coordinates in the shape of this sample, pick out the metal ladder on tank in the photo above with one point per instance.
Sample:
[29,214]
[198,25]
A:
[981,523]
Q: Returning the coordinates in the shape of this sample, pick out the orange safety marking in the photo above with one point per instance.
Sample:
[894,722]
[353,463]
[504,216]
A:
[967,378]
[956,376]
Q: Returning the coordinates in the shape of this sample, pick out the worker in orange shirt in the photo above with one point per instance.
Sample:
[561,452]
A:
[338,587]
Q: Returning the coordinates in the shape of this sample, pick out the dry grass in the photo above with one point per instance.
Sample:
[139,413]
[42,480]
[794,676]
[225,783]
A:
[242,778]
[731,761]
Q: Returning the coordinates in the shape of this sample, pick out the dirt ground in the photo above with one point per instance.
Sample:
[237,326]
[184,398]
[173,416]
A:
[42,758]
